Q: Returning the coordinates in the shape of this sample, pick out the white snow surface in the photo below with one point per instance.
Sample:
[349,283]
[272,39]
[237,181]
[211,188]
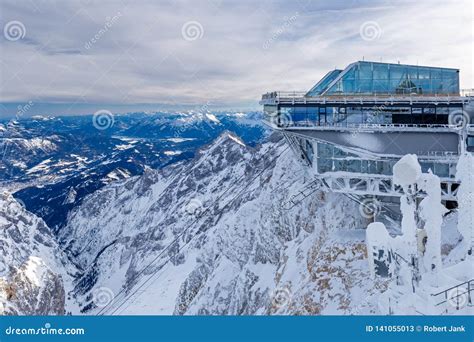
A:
[31,265]
[465,173]
[419,274]
[240,253]
[407,170]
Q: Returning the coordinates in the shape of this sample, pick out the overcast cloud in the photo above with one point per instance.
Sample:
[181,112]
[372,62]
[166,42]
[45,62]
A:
[129,52]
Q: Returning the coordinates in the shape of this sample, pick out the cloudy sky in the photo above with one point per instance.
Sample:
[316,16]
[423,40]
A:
[74,56]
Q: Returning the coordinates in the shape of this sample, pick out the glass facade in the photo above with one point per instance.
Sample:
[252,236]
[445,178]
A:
[323,84]
[372,78]
[312,115]
[330,158]
[368,78]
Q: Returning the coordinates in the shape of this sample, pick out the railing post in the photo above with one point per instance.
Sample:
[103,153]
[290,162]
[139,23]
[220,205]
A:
[469,292]
[457,298]
[446,300]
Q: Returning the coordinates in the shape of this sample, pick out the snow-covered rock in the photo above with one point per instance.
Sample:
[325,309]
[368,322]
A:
[211,236]
[34,274]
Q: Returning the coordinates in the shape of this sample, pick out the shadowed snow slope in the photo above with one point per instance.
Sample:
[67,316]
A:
[232,248]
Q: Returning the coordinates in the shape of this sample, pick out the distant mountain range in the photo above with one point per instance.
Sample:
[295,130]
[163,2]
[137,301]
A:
[52,163]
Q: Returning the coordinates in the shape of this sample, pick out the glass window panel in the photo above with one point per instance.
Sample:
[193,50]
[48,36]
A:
[324,165]
[425,167]
[380,72]
[348,86]
[330,114]
[364,166]
[324,82]
[423,74]
[425,86]
[412,73]
[338,153]
[365,86]
[435,74]
[351,73]
[299,114]
[396,74]
[393,85]
[312,113]
[385,167]
[372,166]
[441,170]
[325,150]
[442,110]
[337,88]
[381,86]
[365,71]
[355,118]
[353,165]
[340,165]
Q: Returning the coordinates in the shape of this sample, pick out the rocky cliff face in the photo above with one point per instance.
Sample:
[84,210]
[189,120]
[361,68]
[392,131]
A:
[212,236]
[34,274]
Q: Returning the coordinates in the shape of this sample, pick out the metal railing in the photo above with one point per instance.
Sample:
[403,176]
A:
[283,94]
[461,291]
[300,97]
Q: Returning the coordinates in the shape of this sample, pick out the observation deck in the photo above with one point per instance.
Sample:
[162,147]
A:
[354,124]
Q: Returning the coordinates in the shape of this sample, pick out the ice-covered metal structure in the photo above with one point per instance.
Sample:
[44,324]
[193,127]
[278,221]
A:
[354,124]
